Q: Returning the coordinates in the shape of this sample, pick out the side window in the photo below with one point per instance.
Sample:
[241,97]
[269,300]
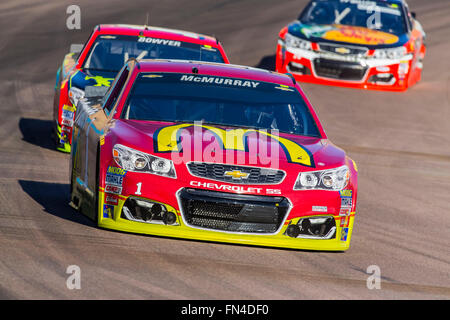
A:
[116,89]
[409,18]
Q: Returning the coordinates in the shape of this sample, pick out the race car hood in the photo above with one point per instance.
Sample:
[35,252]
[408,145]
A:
[212,143]
[353,35]
[83,78]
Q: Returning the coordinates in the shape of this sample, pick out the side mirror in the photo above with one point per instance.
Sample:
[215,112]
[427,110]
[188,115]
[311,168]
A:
[76,48]
[95,91]
[413,14]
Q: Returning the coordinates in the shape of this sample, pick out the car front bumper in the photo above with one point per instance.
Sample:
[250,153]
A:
[331,69]
[112,216]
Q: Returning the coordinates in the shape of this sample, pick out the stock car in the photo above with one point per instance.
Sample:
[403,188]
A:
[107,49]
[213,152]
[376,44]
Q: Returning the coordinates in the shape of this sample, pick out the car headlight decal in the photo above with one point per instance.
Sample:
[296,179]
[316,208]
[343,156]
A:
[75,95]
[137,161]
[297,43]
[332,179]
[390,53]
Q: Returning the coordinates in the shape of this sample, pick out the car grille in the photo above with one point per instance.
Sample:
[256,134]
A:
[342,70]
[349,50]
[232,212]
[217,172]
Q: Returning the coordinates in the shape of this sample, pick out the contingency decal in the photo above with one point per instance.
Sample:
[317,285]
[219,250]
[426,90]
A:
[114,180]
[112,199]
[319,208]
[108,211]
[167,139]
[346,198]
[344,234]
[67,115]
[344,215]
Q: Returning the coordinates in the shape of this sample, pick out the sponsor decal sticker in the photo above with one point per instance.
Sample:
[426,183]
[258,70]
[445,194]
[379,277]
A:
[108,211]
[346,193]
[346,202]
[319,208]
[359,35]
[344,234]
[111,199]
[167,140]
[114,177]
[67,122]
[68,108]
[225,187]
[113,189]
[344,214]
[117,171]
[284,88]
[100,81]
[164,42]
[346,198]
[208,47]
[108,37]
[66,114]
[220,81]
[315,31]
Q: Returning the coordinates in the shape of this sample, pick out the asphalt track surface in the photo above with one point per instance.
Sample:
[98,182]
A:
[400,141]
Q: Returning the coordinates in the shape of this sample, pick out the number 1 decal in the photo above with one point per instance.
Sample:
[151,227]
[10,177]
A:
[139,186]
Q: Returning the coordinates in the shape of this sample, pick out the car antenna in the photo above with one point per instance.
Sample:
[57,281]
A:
[141,33]
[146,22]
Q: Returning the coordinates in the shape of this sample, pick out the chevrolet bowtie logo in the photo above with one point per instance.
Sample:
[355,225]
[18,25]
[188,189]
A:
[236,174]
[342,50]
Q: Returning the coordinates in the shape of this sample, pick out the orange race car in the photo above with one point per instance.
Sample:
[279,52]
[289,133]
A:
[374,44]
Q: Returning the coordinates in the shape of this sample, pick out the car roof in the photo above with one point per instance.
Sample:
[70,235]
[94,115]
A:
[213,69]
[152,31]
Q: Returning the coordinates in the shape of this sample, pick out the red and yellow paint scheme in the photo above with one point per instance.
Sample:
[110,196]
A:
[107,49]
[328,45]
[205,175]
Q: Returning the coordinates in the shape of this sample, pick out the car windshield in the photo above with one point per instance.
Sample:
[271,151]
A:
[174,97]
[110,52]
[377,15]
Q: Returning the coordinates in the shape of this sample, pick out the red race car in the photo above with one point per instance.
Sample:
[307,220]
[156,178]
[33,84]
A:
[107,49]
[212,152]
[352,43]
